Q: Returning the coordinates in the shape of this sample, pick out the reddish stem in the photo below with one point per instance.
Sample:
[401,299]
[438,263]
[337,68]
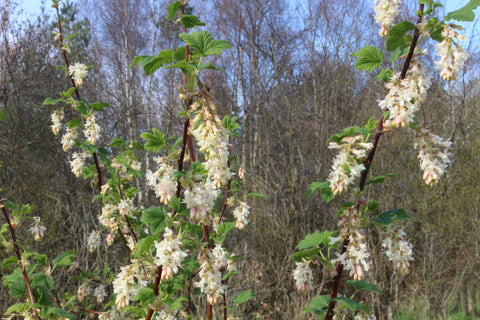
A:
[367,163]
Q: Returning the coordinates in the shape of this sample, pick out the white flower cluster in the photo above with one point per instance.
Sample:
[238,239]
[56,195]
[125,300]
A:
[397,249]
[211,275]
[162,315]
[303,276]
[38,229]
[108,218]
[346,166]
[83,291]
[93,240]
[162,181]
[200,200]
[355,258]
[125,206]
[241,214]
[212,139]
[125,286]
[78,71]
[405,96]
[169,254]
[68,139]
[92,129]
[433,160]
[452,55]
[57,117]
[77,162]
[385,13]
[100,293]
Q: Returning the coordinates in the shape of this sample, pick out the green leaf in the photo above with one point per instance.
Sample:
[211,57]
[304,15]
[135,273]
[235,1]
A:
[318,305]
[243,297]
[64,259]
[98,106]
[364,285]
[371,125]
[155,142]
[74,123]
[223,229]
[9,261]
[3,116]
[40,279]
[348,132]
[379,179]
[117,142]
[156,217]
[324,188]
[22,306]
[369,58]
[384,75]
[208,65]
[230,123]
[152,63]
[145,243]
[41,259]
[352,305]
[387,217]
[256,195]
[372,205]
[50,101]
[310,240]
[464,14]
[179,54]
[436,32]
[190,21]
[399,52]
[204,44]
[398,36]
[173,8]
[145,296]
[305,254]
[57,313]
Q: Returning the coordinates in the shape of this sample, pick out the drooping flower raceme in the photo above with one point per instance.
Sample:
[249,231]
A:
[303,276]
[346,166]
[68,139]
[92,129]
[100,293]
[78,71]
[93,240]
[38,229]
[405,96]
[169,254]
[200,200]
[77,162]
[397,248]
[162,181]
[210,279]
[212,139]
[364,316]
[241,214]
[385,13]
[433,155]
[125,285]
[57,117]
[452,55]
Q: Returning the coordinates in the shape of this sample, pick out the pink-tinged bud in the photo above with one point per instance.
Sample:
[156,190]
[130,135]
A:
[212,299]
[383,31]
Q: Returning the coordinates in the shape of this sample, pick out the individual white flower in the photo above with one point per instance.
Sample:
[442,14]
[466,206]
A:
[169,254]
[433,155]
[57,117]
[38,229]
[241,214]
[100,293]
[397,248]
[452,55]
[93,240]
[125,206]
[303,276]
[78,71]
[92,129]
[68,139]
[77,162]
[346,166]
[385,13]
[200,200]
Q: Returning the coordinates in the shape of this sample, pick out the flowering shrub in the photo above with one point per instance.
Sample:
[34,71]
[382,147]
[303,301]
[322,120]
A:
[407,89]
[176,250]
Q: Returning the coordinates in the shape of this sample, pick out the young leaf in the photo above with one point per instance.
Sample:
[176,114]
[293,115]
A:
[324,188]
[155,142]
[98,106]
[384,75]
[152,63]
[173,8]
[398,36]
[256,195]
[364,285]
[379,179]
[464,14]
[369,58]
[243,297]
[310,240]
[319,305]
[3,116]
[399,52]
[9,261]
[223,229]
[190,21]
[387,217]
[156,217]
[305,254]
[203,42]
[64,259]
[371,124]
[352,305]
[50,101]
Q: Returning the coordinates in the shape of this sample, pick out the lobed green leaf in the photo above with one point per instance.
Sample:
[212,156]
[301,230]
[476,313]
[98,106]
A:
[398,36]
[156,217]
[369,58]
[243,297]
[173,8]
[64,259]
[318,305]
[364,285]
[204,44]
[325,191]
[464,14]
[387,217]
